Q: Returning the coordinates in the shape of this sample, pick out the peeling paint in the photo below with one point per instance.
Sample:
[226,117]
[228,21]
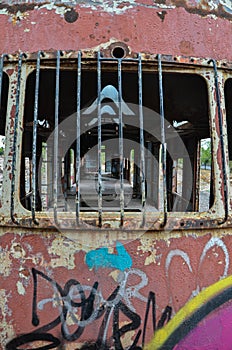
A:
[127,339]
[174,270]
[17,251]
[64,251]
[151,258]
[20,288]
[59,10]
[5,263]
[219,8]
[6,327]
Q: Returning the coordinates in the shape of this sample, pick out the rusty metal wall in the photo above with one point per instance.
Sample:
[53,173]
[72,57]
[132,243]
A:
[192,28]
[117,289]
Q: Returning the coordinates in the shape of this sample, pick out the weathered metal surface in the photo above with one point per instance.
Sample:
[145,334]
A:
[69,293]
[177,28]
[111,287]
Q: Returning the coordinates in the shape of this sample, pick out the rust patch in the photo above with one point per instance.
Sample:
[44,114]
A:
[17,248]
[203,9]
[13,9]
[186,47]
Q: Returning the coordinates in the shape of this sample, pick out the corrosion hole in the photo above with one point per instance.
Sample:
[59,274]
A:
[118,52]
[182,224]
[71,16]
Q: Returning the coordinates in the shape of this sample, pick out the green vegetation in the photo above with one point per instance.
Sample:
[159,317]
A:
[206,153]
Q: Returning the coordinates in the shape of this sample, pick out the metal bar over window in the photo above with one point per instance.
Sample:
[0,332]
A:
[65,182]
[225,176]
[1,76]
[121,142]
[163,141]
[12,211]
[142,156]
[56,139]
[99,139]
[34,145]
[78,156]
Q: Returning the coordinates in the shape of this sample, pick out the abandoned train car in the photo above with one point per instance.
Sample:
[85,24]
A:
[115,174]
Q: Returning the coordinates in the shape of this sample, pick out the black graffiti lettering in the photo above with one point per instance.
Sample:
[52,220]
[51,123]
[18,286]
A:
[119,332]
[101,343]
[35,318]
[86,305]
[151,301]
[165,317]
[73,302]
[32,337]
[135,342]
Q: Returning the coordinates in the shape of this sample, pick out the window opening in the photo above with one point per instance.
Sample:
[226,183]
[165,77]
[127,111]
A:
[205,174]
[106,154]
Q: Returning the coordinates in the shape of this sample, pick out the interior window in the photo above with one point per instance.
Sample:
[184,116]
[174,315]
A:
[186,128]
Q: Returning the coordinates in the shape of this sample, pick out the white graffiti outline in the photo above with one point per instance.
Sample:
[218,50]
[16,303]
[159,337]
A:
[125,293]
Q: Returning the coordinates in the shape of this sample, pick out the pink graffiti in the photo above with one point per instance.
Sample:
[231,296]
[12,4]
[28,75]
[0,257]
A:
[212,333]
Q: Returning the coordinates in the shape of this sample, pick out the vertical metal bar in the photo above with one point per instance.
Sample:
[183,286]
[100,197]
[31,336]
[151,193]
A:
[163,141]
[56,139]
[99,139]
[121,142]
[224,170]
[15,139]
[78,155]
[65,180]
[1,76]
[34,142]
[142,156]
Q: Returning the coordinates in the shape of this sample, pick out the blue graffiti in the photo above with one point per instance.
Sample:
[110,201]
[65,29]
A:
[102,258]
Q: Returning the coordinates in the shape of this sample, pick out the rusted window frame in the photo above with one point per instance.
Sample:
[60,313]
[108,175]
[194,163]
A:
[15,214]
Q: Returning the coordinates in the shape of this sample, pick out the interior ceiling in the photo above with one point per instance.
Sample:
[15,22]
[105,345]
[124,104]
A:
[185,98]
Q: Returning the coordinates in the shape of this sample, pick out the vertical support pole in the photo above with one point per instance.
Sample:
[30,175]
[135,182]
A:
[16,122]
[141,139]
[34,142]
[78,155]
[99,139]
[121,142]
[56,139]
[163,141]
